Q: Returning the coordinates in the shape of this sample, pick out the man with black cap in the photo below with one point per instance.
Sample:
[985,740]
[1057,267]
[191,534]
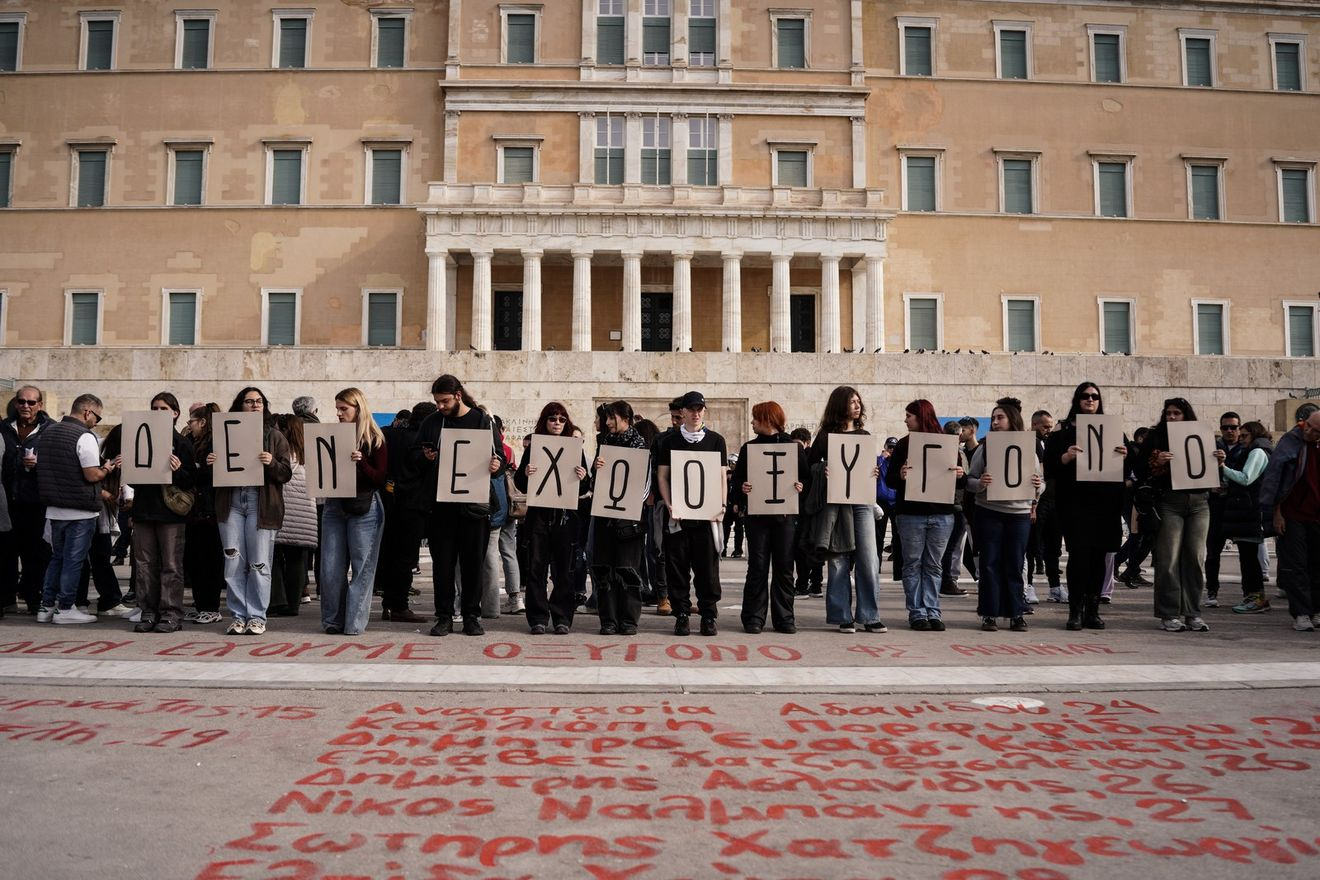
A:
[691,555]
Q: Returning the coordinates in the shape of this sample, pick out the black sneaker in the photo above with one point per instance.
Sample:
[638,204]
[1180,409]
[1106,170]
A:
[681,626]
[145,625]
[952,591]
[921,624]
[609,630]
[708,626]
[877,627]
[561,629]
[538,629]
[1019,625]
[168,626]
[936,625]
[988,625]
[443,627]
[472,627]
[787,629]
[627,630]
[752,629]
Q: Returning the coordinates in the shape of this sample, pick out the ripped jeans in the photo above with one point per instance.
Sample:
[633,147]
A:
[247,553]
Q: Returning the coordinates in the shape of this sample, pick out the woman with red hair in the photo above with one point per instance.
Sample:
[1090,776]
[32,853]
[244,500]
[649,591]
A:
[923,527]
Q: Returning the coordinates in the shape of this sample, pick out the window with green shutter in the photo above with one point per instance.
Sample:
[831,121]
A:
[791,42]
[390,33]
[702,36]
[1106,49]
[792,167]
[655,150]
[100,43]
[519,165]
[1301,331]
[84,320]
[920,183]
[1111,179]
[293,42]
[281,318]
[286,177]
[8,45]
[382,319]
[1117,332]
[1287,67]
[655,33]
[195,53]
[1210,328]
[6,172]
[91,178]
[386,177]
[1205,192]
[1012,54]
[520,40]
[1020,315]
[1017,187]
[1295,185]
[916,51]
[923,323]
[183,318]
[609,37]
[188,177]
[703,151]
[609,150]
[1200,68]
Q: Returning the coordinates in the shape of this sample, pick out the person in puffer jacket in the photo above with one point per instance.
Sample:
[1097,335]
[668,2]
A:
[296,538]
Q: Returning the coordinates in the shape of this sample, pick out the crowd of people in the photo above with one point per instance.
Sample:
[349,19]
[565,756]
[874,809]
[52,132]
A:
[65,500]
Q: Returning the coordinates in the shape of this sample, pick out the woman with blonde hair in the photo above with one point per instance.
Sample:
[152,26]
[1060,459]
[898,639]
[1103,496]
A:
[351,527]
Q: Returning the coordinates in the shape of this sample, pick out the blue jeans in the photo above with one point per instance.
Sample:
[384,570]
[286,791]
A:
[866,567]
[348,539]
[248,551]
[924,537]
[70,539]
[1002,540]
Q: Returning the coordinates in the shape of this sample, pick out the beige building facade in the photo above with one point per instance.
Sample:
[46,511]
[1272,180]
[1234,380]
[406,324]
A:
[601,198]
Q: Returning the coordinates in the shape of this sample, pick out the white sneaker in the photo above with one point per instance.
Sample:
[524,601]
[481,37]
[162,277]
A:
[256,626]
[134,616]
[1030,594]
[1197,625]
[1303,624]
[120,610]
[44,614]
[237,628]
[1211,602]
[73,615]
[205,617]
[1173,625]
[1315,620]
[516,606]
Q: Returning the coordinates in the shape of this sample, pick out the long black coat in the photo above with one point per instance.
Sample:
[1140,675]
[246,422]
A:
[1089,514]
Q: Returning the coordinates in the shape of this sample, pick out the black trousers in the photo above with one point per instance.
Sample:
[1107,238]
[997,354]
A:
[97,565]
[399,545]
[1046,543]
[769,571]
[455,540]
[618,596]
[691,561]
[1215,539]
[24,544]
[733,522]
[549,536]
[1086,577]
[203,564]
[1299,566]
[810,571]
[288,578]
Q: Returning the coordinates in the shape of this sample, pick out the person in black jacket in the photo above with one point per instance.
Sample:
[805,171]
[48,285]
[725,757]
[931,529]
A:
[616,544]
[406,501]
[22,431]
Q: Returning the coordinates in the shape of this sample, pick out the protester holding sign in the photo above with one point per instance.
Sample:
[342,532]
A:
[770,535]
[1002,525]
[351,527]
[456,532]
[550,531]
[203,560]
[853,468]
[159,522]
[249,516]
[924,526]
[616,544]
[1184,519]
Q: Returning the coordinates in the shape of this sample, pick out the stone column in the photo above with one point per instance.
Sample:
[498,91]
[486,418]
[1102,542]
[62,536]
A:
[725,169]
[780,327]
[531,302]
[451,146]
[858,152]
[632,301]
[451,303]
[632,147]
[875,293]
[588,33]
[481,303]
[581,300]
[586,147]
[731,332]
[829,304]
[682,301]
[437,335]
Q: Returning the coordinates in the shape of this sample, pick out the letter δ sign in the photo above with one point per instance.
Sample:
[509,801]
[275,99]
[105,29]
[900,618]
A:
[464,465]
[772,469]
[933,457]
[1193,447]
[554,484]
[1099,461]
[1010,457]
[697,487]
[851,462]
[237,438]
[147,444]
[331,472]
[620,488]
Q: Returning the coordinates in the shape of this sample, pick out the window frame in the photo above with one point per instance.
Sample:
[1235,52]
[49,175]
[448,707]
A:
[389,12]
[803,15]
[1020,155]
[1124,159]
[1288,305]
[397,292]
[1131,303]
[669,55]
[369,147]
[4,316]
[1299,40]
[1034,299]
[807,147]
[1282,165]
[1224,327]
[609,121]
[1218,162]
[279,14]
[19,18]
[76,150]
[173,147]
[665,122]
[523,141]
[111,15]
[303,146]
[708,124]
[1117,30]
[265,316]
[165,316]
[939,317]
[10,149]
[534,10]
[1024,26]
[715,19]
[623,15]
[1185,34]
[68,315]
[182,15]
[936,153]
[915,21]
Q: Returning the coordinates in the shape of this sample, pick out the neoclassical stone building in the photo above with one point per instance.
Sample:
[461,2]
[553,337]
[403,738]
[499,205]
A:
[756,199]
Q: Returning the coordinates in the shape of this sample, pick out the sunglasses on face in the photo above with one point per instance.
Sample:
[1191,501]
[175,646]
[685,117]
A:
[21,402]
[558,420]
[1088,395]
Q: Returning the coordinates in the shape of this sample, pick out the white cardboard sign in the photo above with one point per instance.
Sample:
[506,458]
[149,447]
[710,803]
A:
[1010,457]
[1098,436]
[464,465]
[620,489]
[697,485]
[852,459]
[772,469]
[147,442]
[329,447]
[1194,465]
[933,458]
[237,437]
[554,484]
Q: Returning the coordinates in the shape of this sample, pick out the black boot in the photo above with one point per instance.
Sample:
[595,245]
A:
[1074,623]
[1091,619]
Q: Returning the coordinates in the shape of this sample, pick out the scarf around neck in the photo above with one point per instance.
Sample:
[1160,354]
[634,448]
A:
[692,436]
